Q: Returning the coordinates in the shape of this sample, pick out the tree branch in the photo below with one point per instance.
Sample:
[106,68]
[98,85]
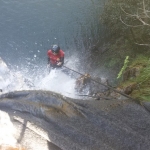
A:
[143,44]
[137,16]
[145,11]
[130,25]
[131,15]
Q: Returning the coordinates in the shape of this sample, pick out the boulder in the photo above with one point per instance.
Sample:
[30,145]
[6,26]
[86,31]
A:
[47,120]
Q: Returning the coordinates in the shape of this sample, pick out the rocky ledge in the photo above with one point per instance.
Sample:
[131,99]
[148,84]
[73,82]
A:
[47,120]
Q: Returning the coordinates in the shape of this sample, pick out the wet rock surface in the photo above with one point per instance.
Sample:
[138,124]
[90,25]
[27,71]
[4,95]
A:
[47,120]
[95,87]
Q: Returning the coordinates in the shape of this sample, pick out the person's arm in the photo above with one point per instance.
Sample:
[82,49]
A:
[61,59]
[61,62]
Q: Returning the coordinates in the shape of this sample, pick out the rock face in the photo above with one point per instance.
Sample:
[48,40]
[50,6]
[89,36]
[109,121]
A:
[47,120]
[132,72]
[87,84]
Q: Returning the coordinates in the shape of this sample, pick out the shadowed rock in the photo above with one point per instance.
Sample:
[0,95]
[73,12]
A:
[92,86]
[67,124]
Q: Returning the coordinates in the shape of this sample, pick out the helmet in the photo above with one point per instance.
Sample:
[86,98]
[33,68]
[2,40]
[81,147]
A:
[55,48]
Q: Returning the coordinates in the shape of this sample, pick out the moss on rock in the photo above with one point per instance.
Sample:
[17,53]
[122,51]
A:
[136,79]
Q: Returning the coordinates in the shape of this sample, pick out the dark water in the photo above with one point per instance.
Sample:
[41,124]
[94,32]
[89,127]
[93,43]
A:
[29,27]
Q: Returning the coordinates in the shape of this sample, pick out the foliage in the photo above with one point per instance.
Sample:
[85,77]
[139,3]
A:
[139,60]
[126,18]
[142,92]
[145,73]
[124,67]
[128,26]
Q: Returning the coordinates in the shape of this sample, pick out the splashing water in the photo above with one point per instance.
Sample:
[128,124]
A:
[56,81]
[10,81]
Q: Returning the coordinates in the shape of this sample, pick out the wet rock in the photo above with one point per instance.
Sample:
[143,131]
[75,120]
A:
[129,88]
[116,95]
[82,82]
[45,117]
[126,89]
[132,72]
[90,85]
[146,105]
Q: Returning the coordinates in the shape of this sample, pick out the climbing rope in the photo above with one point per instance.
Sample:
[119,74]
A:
[111,88]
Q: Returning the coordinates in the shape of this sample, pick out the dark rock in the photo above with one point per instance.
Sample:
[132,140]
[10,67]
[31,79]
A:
[91,85]
[132,73]
[146,105]
[128,89]
[71,124]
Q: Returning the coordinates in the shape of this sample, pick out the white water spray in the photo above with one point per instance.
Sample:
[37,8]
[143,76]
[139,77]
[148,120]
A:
[56,81]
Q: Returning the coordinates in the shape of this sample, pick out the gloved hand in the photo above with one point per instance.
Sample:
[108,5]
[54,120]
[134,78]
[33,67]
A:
[59,63]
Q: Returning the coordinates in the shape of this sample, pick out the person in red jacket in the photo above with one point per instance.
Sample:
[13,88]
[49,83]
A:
[55,57]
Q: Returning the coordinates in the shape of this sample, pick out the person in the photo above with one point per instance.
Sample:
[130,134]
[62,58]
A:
[55,57]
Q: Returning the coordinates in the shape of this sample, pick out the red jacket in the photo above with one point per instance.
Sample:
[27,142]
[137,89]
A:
[54,59]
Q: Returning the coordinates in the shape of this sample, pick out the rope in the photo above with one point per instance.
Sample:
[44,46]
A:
[103,84]
[107,98]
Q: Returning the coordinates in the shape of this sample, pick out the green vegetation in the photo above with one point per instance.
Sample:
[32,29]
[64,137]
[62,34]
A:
[127,23]
[124,67]
[142,80]
[128,19]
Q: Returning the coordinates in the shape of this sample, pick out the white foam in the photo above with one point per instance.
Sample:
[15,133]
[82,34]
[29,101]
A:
[59,82]
[16,80]
[9,80]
